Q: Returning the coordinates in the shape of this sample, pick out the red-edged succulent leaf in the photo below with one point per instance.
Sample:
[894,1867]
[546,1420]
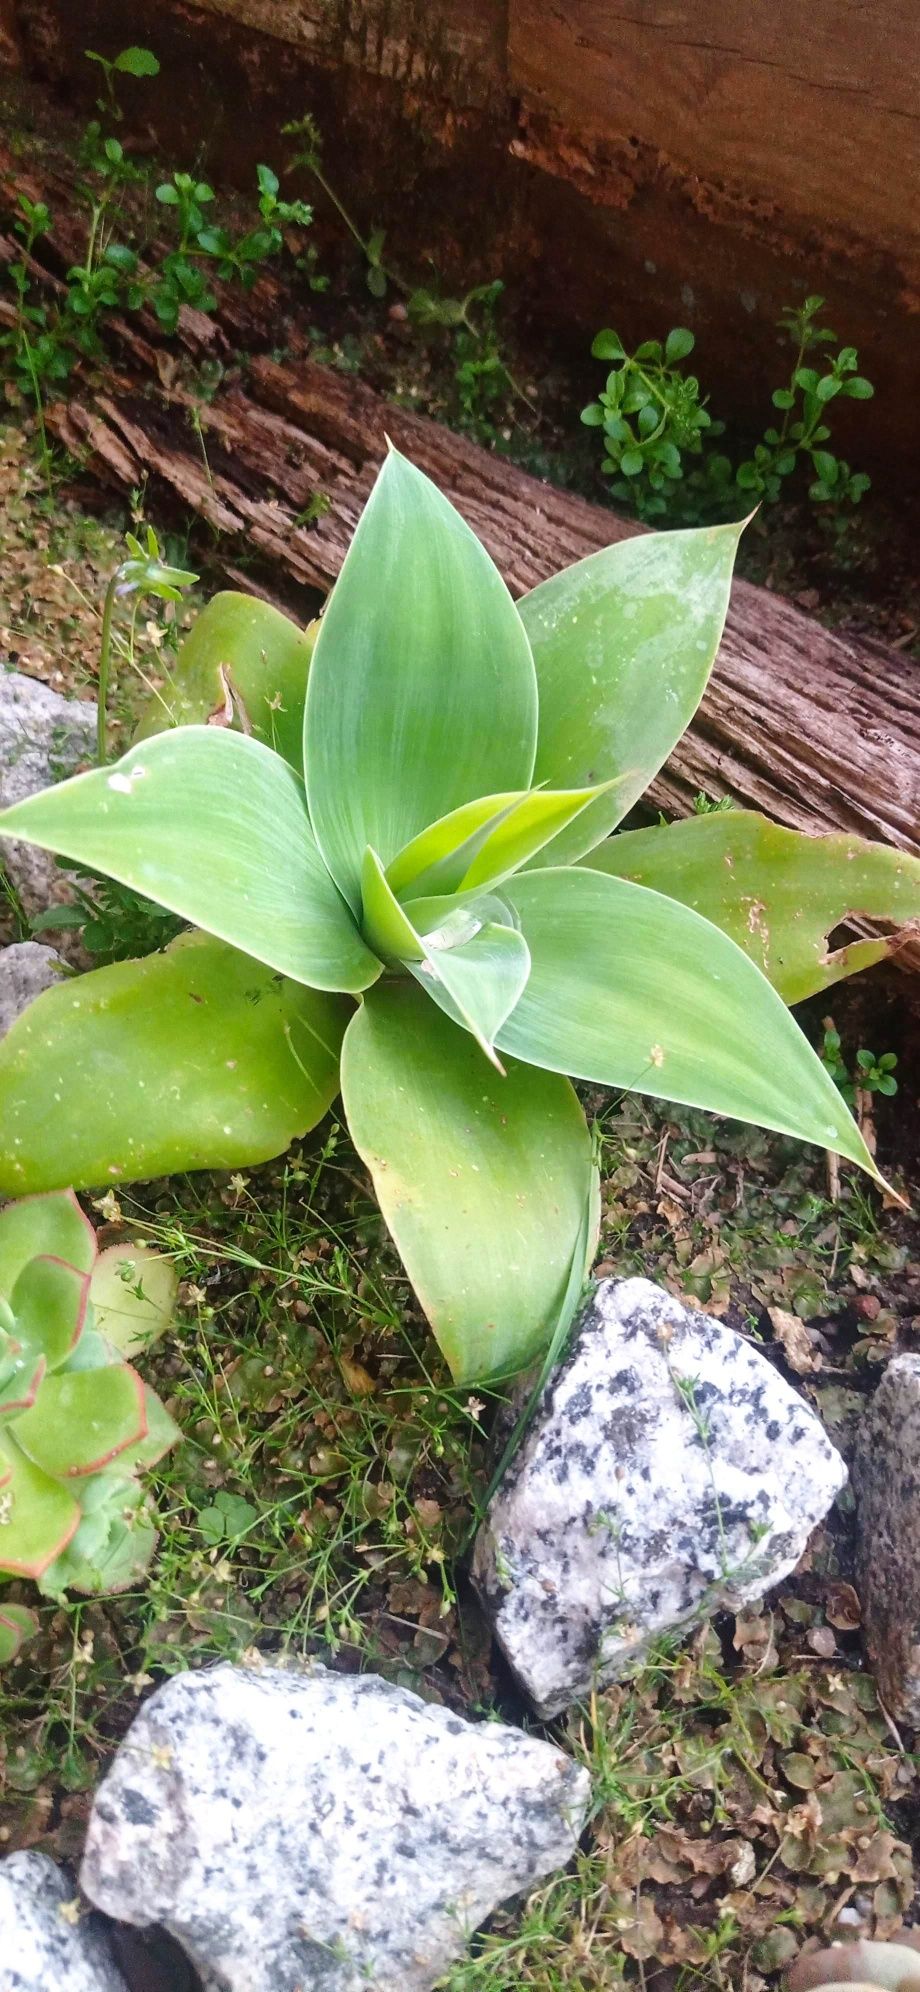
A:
[83,1419]
[38,1517]
[21,1389]
[49,1302]
[17,1624]
[36,1226]
[161,1433]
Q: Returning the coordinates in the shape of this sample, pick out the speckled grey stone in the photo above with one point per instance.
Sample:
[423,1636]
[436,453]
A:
[629,1510]
[886,1476]
[41,1949]
[314,1832]
[43,738]
[26,969]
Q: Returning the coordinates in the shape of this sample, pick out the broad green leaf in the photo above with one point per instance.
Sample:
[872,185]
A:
[215,827]
[49,1302]
[623,644]
[422,693]
[161,1433]
[474,966]
[245,665]
[779,894]
[80,1422]
[134,1296]
[194,1059]
[39,1225]
[630,989]
[17,1625]
[485,841]
[483,1181]
[40,1516]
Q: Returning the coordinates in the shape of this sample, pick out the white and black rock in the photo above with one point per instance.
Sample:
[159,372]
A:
[669,1471]
[26,970]
[43,738]
[886,1475]
[48,1940]
[322,1832]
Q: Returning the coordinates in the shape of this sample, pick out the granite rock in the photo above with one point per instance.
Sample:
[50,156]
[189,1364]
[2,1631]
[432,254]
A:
[43,738]
[47,1941]
[668,1471]
[26,969]
[886,1476]
[314,1832]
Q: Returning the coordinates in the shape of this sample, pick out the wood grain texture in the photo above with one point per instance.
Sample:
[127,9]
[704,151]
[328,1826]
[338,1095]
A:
[805,108]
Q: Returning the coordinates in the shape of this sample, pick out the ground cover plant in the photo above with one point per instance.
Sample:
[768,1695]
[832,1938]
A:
[657,432]
[418,815]
[77,1423]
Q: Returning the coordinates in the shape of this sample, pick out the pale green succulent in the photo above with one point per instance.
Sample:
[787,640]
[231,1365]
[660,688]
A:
[77,1423]
[403,875]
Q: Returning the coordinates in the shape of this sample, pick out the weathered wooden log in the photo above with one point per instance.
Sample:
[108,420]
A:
[819,730]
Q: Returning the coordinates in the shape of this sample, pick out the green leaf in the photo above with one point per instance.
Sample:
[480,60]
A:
[245,665]
[40,1516]
[80,1422]
[483,1181]
[477,982]
[778,893]
[608,345]
[215,827]
[678,344]
[39,1225]
[633,990]
[474,966]
[623,643]
[198,1058]
[17,1625]
[134,1296]
[137,62]
[485,841]
[49,1302]
[422,693]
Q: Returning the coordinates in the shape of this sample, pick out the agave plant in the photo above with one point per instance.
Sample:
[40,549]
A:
[77,1423]
[401,879]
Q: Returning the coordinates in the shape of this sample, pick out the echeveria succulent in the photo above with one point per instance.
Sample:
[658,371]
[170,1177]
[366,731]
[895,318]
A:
[77,1423]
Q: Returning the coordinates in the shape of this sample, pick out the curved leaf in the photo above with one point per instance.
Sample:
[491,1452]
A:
[49,1302]
[43,1224]
[486,841]
[134,1296]
[779,894]
[623,644]
[631,989]
[215,827]
[40,1516]
[194,1059]
[473,966]
[80,1422]
[17,1625]
[422,693]
[242,664]
[483,1181]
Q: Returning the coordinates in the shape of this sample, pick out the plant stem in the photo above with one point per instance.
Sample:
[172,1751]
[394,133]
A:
[105,658]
